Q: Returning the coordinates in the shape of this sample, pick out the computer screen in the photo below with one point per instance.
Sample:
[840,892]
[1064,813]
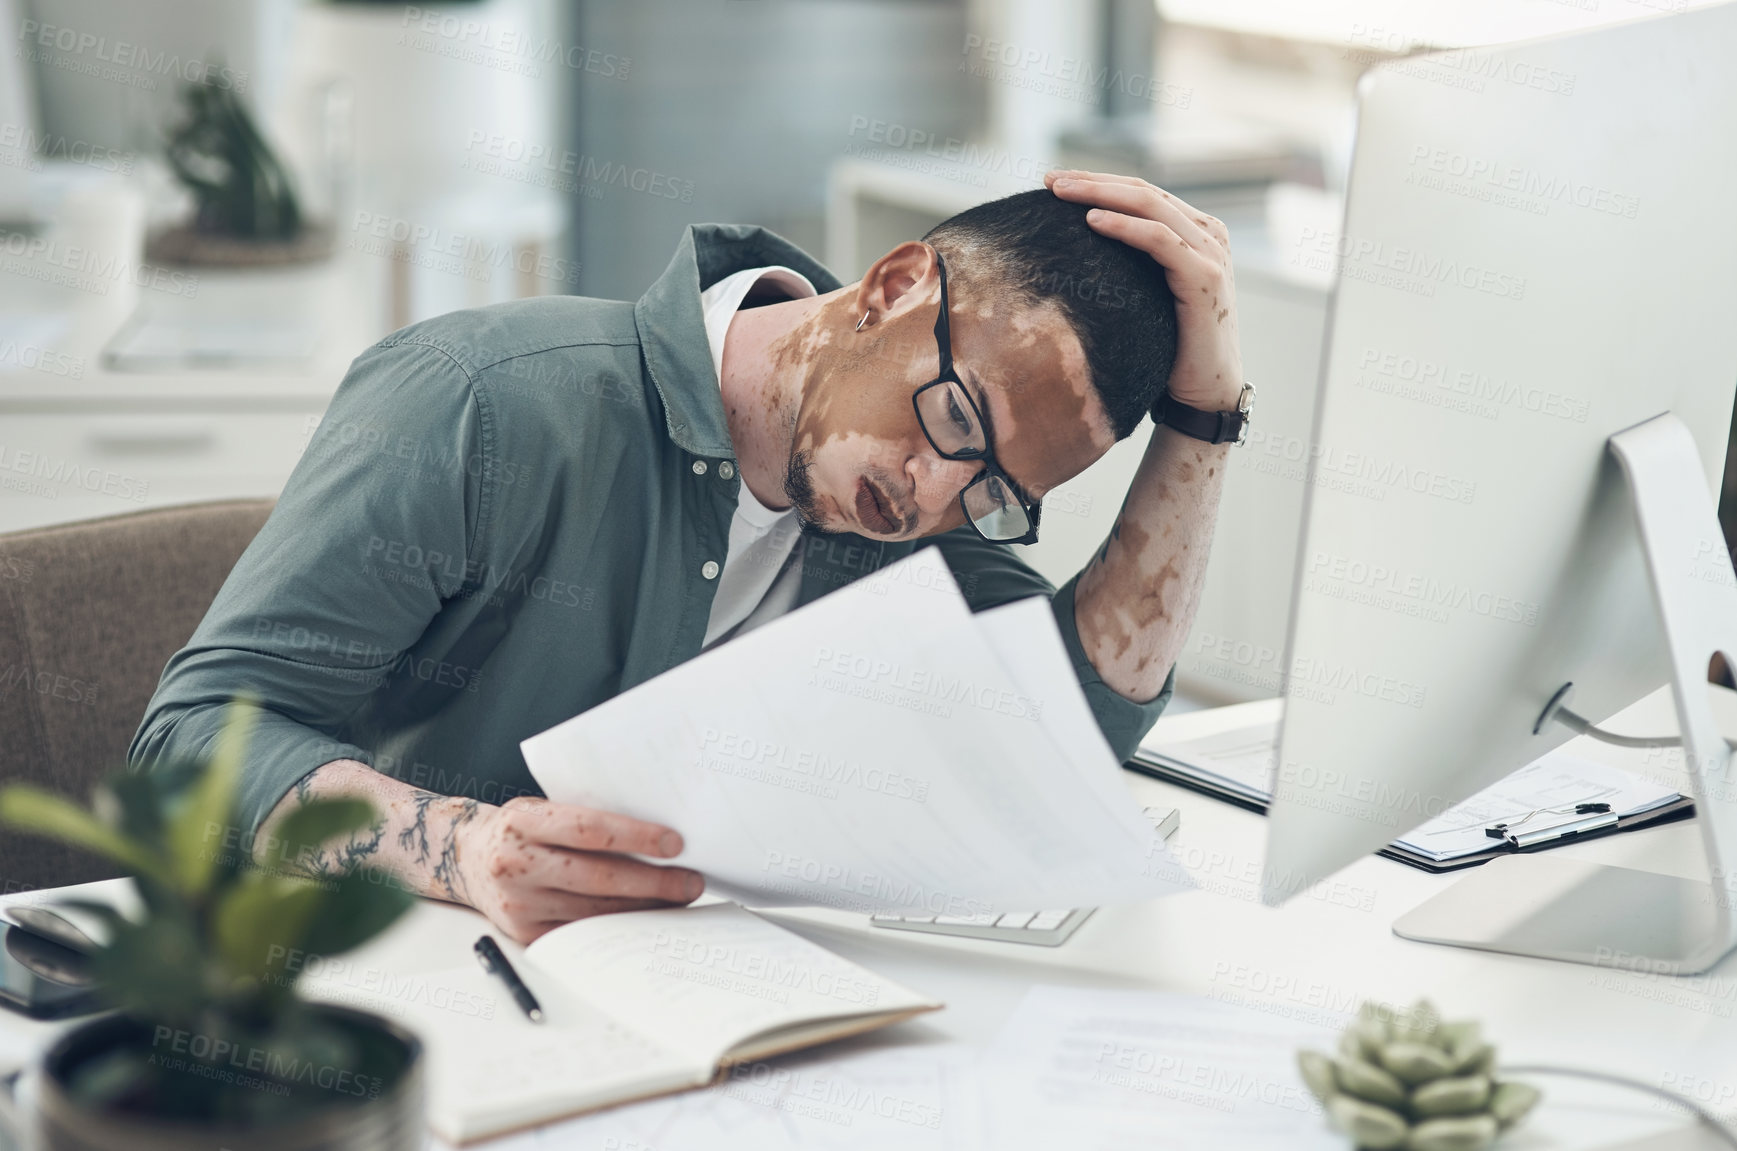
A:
[1537,253]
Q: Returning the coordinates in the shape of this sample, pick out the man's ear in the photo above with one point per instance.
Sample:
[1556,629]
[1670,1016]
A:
[906,273]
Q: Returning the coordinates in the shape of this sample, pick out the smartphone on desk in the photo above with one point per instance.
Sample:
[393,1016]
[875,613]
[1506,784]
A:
[44,979]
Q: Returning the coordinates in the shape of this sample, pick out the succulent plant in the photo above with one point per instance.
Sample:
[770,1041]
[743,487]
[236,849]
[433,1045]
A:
[1406,1079]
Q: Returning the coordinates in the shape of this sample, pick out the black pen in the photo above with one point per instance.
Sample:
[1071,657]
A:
[489,954]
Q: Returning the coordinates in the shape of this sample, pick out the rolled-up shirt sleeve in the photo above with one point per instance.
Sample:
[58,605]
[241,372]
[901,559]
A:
[372,533]
[990,574]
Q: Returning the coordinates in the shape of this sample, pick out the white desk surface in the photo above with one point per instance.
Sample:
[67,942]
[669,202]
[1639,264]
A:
[1314,959]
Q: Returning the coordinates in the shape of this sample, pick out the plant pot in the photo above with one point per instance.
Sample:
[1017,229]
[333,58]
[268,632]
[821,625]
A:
[386,1115]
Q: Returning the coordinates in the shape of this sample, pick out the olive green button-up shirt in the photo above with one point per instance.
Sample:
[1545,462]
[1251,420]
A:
[507,516]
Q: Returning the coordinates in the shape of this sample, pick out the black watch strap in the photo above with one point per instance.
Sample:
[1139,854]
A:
[1213,427]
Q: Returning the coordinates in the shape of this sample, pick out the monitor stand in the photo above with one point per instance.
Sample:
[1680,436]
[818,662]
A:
[1556,908]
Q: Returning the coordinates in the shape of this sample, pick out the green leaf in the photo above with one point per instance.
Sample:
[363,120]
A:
[261,920]
[317,822]
[45,813]
[197,831]
[156,970]
[357,907]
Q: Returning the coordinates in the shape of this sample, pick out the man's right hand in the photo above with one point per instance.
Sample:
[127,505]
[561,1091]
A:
[531,865]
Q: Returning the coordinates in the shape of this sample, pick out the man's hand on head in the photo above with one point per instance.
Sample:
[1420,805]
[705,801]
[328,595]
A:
[1194,249]
[531,865]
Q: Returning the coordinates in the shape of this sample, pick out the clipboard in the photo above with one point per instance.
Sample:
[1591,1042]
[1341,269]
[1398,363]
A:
[1683,807]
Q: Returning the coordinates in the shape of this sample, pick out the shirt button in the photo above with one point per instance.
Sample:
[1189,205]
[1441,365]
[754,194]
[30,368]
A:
[709,569]
[699,467]
[727,470]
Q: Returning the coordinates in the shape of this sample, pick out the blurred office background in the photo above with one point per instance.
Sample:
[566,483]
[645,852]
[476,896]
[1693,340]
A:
[452,155]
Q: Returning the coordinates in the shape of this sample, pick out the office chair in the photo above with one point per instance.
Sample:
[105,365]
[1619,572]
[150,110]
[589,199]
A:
[89,614]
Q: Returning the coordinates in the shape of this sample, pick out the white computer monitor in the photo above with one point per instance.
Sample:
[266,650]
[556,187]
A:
[1539,252]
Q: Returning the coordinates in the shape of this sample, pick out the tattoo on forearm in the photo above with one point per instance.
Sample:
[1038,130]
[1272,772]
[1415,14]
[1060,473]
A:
[446,871]
[415,837]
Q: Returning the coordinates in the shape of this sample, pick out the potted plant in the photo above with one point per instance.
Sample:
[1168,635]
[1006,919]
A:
[246,211]
[209,1045]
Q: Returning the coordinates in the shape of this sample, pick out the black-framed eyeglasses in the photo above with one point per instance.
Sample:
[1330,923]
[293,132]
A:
[994,506]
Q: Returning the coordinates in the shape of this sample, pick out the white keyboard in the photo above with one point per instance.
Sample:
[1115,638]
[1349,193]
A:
[1041,928]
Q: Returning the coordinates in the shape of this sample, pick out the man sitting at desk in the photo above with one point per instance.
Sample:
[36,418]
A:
[512,514]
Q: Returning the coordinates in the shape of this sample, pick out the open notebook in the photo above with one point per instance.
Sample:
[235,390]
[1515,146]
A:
[637,1004]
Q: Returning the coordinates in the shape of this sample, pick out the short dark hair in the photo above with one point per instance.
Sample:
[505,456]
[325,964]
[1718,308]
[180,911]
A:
[1040,247]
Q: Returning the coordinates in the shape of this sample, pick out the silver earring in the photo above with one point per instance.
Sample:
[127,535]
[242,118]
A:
[861,322]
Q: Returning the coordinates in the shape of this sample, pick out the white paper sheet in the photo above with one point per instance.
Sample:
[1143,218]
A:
[1088,1069]
[879,750]
[915,1098]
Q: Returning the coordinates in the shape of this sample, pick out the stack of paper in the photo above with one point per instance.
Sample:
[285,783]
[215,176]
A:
[1542,793]
[882,749]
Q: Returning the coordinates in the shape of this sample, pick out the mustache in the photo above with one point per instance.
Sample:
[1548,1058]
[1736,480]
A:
[799,490]
[904,519]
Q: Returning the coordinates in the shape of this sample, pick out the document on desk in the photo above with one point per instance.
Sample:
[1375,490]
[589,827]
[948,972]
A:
[1238,764]
[882,749]
[636,1005]
[914,1097]
[1156,1070]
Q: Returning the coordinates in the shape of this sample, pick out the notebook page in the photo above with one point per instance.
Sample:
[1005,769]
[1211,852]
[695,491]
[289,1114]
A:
[701,980]
[490,1069]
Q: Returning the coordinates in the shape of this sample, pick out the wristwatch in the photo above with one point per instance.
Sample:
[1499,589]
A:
[1214,427]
